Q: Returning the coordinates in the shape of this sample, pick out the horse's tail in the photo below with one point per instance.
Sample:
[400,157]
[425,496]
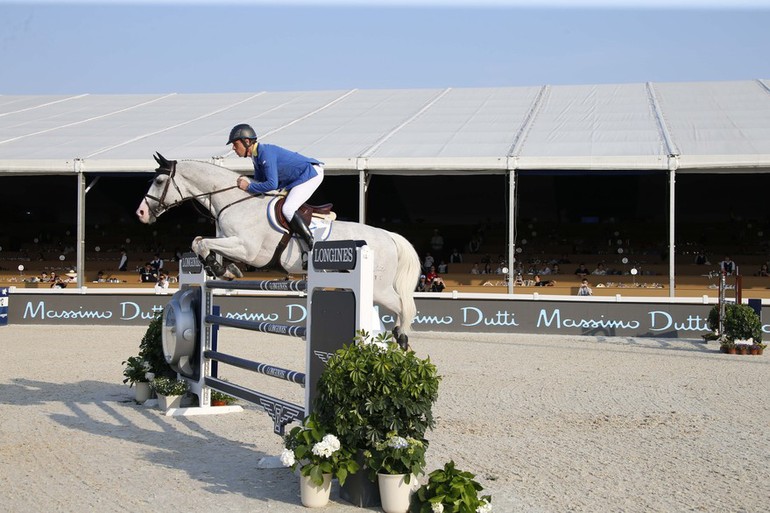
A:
[405,281]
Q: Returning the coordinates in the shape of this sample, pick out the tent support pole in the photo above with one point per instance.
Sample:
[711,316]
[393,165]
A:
[80,267]
[511,229]
[671,233]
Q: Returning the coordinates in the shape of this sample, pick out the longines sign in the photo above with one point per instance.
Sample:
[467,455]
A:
[455,315]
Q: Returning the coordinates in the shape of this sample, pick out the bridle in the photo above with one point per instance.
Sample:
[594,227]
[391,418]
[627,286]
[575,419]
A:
[168,167]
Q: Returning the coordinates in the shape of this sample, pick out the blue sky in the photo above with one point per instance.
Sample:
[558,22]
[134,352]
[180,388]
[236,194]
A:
[190,47]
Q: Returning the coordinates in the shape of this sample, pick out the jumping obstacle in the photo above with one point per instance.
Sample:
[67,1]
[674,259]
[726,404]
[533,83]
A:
[339,290]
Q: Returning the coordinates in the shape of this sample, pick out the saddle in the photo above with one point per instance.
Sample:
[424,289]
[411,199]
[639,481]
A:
[306,212]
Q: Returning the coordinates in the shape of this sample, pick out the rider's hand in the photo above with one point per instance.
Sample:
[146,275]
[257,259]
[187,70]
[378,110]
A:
[243,183]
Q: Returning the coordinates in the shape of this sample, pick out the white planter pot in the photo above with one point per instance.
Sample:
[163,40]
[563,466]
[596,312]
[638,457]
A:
[312,495]
[395,492]
[166,402]
[142,392]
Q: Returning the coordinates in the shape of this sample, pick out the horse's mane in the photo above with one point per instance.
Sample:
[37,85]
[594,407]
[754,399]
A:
[196,161]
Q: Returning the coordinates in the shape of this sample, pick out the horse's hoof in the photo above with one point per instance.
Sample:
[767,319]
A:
[401,339]
[233,270]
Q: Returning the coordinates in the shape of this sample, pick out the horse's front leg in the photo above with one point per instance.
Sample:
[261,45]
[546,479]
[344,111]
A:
[230,247]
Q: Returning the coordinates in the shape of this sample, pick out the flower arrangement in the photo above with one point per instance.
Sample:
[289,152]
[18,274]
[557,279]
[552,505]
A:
[372,387]
[317,452]
[169,386]
[450,490]
[397,455]
[137,370]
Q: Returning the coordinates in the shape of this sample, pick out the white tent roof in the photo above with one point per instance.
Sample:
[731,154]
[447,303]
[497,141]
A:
[700,126]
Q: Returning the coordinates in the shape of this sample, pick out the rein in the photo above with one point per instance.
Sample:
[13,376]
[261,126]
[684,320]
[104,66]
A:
[162,206]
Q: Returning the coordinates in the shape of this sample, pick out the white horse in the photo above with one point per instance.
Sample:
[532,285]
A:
[248,236]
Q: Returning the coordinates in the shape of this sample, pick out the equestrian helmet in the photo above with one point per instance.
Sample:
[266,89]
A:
[242,131]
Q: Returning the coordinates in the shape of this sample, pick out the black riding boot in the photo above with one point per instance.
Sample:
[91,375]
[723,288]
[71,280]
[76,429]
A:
[298,226]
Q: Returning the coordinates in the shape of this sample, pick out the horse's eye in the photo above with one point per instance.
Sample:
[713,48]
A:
[160,179]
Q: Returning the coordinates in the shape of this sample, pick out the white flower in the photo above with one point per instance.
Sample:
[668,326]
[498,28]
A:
[322,449]
[397,442]
[437,507]
[146,365]
[485,507]
[149,376]
[333,442]
[287,458]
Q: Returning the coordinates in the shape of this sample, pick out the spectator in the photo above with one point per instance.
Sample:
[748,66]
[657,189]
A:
[584,289]
[600,270]
[442,268]
[543,283]
[456,257]
[147,275]
[763,270]
[57,282]
[437,285]
[161,286]
[555,269]
[475,269]
[728,266]
[157,263]
[422,285]
[431,274]
[437,242]
[427,262]
[123,263]
[700,258]
[582,270]
[474,245]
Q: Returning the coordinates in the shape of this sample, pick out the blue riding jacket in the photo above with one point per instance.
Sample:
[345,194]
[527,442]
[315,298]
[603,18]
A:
[278,168]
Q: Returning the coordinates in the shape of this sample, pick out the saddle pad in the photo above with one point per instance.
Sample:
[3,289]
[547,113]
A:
[320,228]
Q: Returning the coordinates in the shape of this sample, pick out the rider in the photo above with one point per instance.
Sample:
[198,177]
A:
[278,168]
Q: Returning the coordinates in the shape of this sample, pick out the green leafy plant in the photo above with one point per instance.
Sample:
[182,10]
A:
[372,388]
[712,321]
[742,323]
[396,455]
[151,348]
[216,395]
[316,451]
[450,490]
[137,370]
[169,386]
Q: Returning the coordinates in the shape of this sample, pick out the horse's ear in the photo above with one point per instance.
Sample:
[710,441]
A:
[165,165]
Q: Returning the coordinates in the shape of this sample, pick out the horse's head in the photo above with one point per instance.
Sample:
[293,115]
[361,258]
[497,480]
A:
[163,193]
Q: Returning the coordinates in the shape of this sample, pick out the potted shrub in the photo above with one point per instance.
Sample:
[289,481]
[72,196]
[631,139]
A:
[151,348]
[137,372]
[370,389]
[712,321]
[221,399]
[742,329]
[742,323]
[395,463]
[169,391]
[319,455]
[450,490]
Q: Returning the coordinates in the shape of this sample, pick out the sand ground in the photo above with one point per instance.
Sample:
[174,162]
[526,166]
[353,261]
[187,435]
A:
[548,424]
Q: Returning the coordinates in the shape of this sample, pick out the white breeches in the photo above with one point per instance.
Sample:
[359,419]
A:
[301,193]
